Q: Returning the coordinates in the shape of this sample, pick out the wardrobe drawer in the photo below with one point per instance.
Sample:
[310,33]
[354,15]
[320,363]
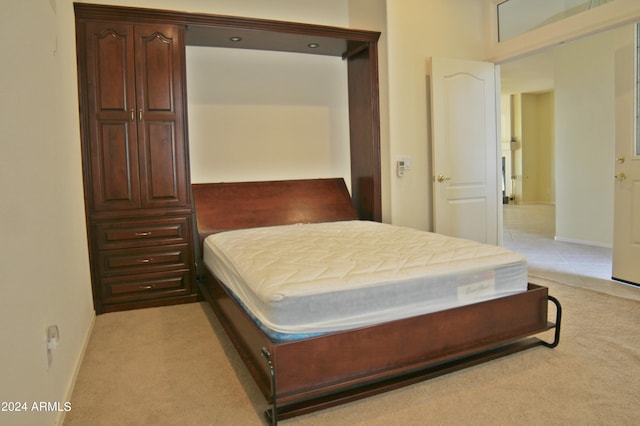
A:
[142,233]
[147,259]
[146,286]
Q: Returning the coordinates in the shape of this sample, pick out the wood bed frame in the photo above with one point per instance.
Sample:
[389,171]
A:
[302,376]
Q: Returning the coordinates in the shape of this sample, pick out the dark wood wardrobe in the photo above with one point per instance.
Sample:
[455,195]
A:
[133,115]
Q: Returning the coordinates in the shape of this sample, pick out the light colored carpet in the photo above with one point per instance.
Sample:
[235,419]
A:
[174,366]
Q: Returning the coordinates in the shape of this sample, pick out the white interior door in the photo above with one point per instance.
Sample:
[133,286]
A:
[626,219]
[465,149]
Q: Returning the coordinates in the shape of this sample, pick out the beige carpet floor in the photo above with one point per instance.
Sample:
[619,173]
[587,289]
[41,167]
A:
[174,366]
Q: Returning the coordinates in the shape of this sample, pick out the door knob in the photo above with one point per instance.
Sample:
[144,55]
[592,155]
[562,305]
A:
[441,178]
[620,176]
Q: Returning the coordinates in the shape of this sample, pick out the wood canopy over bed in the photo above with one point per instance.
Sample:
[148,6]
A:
[300,376]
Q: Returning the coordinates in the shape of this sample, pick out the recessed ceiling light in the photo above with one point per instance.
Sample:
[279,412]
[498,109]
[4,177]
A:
[313,45]
[235,38]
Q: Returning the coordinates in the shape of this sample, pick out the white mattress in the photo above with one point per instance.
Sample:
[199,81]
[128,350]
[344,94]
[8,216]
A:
[334,276]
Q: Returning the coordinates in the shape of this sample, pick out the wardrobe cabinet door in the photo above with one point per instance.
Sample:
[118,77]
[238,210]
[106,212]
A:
[159,70]
[112,142]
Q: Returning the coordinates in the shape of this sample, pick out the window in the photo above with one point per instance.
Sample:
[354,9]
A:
[517,17]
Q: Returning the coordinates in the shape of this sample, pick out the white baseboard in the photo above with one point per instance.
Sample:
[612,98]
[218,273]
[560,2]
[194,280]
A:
[76,368]
[583,242]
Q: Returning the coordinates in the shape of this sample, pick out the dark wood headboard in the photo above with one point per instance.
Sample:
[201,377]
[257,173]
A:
[238,205]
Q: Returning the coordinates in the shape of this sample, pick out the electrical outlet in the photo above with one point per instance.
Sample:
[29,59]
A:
[53,337]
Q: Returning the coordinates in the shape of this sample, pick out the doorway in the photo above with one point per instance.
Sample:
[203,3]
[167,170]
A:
[584,132]
[528,150]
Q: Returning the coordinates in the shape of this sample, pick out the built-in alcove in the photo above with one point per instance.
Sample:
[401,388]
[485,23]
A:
[263,115]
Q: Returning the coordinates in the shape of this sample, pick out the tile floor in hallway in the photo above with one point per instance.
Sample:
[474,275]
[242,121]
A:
[529,229]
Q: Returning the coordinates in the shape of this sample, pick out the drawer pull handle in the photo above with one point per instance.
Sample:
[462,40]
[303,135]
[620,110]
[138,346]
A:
[143,234]
[144,260]
[146,287]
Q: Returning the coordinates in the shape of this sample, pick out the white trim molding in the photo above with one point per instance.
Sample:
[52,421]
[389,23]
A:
[582,242]
[604,17]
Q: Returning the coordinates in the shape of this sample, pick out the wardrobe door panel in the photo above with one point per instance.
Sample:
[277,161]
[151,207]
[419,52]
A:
[111,65]
[161,166]
[113,150]
[155,53]
[159,65]
[116,164]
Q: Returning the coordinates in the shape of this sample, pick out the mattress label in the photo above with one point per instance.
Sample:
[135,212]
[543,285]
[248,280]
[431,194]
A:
[477,290]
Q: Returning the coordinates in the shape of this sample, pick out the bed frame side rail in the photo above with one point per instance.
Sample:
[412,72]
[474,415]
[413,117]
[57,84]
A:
[431,368]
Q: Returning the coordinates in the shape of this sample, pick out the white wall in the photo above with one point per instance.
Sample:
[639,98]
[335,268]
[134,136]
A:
[256,115]
[585,136]
[538,131]
[417,30]
[44,269]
